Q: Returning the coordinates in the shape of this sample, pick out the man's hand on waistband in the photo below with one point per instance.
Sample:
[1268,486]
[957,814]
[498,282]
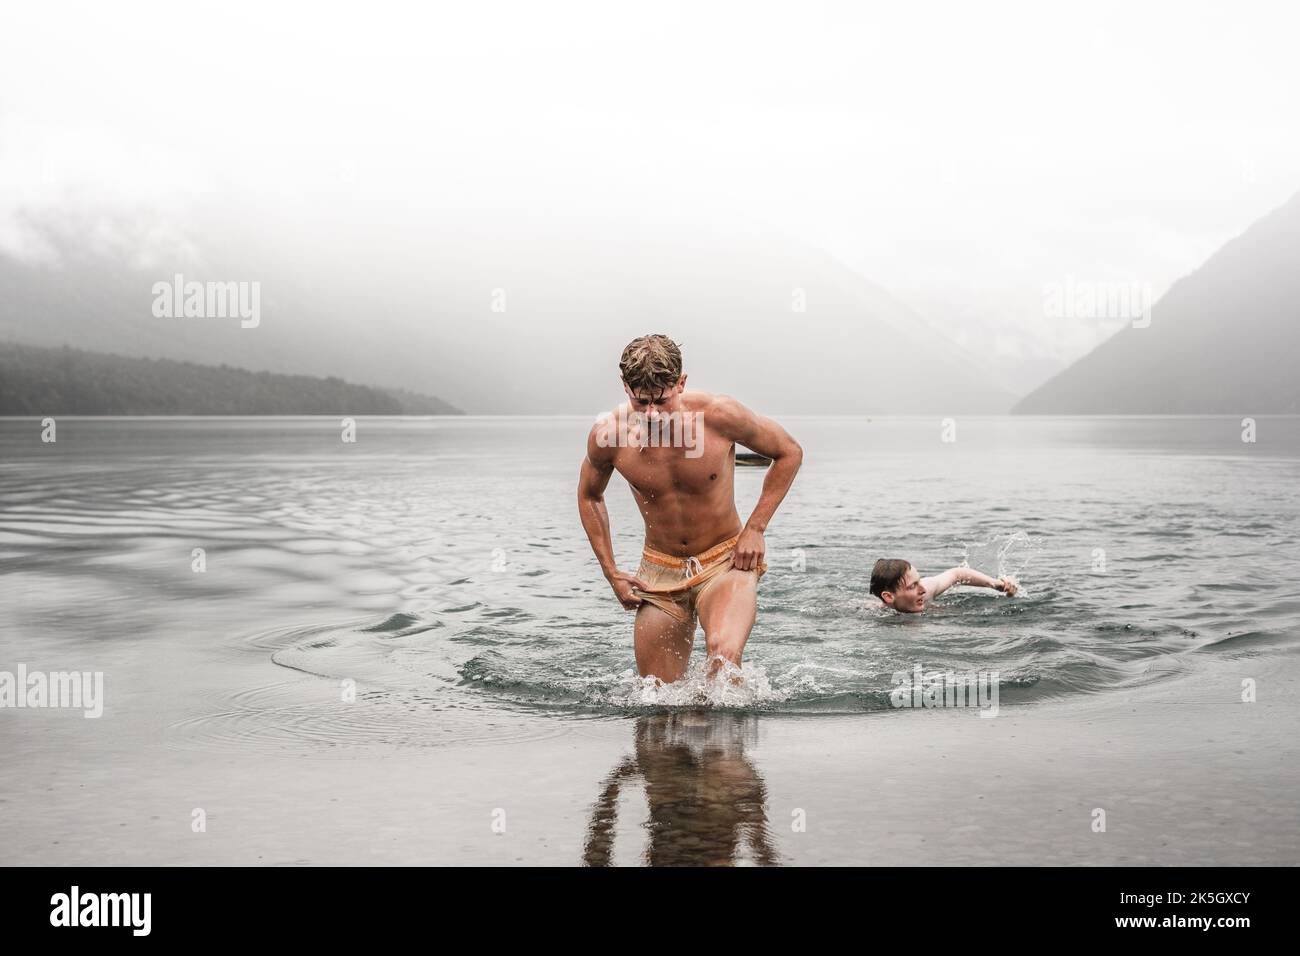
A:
[750,548]
[624,585]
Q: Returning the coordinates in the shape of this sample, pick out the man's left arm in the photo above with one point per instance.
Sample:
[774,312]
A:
[769,439]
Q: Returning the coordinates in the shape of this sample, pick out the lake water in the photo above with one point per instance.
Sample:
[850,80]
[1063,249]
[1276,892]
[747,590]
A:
[439,564]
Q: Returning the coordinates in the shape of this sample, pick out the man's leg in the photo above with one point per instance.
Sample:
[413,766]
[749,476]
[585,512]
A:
[663,644]
[727,608]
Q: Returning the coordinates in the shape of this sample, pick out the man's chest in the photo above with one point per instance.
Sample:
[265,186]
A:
[662,471]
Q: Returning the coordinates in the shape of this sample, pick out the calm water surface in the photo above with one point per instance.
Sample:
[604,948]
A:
[439,564]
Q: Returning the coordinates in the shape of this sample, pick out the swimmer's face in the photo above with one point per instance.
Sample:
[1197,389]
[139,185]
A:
[909,596]
[655,402]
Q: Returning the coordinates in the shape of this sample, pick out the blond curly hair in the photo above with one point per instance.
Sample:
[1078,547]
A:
[651,363]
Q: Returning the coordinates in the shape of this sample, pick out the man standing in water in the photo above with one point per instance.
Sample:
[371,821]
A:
[676,449]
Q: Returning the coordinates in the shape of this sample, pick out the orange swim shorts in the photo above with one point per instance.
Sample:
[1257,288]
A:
[677,583]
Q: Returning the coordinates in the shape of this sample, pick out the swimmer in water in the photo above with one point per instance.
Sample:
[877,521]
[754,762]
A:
[898,585]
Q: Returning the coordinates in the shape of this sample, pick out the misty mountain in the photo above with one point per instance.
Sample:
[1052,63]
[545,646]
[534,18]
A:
[67,381]
[507,317]
[1223,340]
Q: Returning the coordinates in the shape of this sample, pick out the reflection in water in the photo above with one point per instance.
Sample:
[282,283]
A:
[707,802]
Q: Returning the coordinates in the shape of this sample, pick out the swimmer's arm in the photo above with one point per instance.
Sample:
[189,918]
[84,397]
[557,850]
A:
[934,586]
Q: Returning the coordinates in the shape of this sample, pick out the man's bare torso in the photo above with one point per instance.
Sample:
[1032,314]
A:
[688,501]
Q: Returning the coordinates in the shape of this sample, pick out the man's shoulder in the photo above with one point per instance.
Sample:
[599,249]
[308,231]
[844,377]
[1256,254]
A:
[721,407]
[603,436]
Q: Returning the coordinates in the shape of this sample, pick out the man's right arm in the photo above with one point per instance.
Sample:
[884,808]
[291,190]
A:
[934,586]
[597,468]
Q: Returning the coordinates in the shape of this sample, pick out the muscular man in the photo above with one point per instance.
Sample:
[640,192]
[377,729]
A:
[677,451]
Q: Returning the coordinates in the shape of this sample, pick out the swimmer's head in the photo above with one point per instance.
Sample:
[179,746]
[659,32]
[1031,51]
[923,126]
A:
[651,371]
[897,583]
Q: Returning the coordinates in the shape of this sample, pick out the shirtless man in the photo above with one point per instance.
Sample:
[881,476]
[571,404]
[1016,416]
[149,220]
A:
[677,451]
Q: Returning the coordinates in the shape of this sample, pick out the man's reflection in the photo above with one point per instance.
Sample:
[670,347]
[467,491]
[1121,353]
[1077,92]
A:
[707,802]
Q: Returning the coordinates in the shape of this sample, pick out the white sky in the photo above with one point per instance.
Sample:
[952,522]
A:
[961,155]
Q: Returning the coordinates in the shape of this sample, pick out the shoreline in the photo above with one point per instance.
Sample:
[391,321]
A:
[1185,773]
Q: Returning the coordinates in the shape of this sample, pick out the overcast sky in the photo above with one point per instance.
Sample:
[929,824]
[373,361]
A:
[960,155]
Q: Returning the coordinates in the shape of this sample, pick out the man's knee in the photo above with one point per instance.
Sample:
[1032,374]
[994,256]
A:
[726,640]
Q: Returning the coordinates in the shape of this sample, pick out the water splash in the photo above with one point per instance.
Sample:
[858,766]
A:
[1003,555]
[743,688]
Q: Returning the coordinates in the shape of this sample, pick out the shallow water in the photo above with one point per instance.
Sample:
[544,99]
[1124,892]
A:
[438,567]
